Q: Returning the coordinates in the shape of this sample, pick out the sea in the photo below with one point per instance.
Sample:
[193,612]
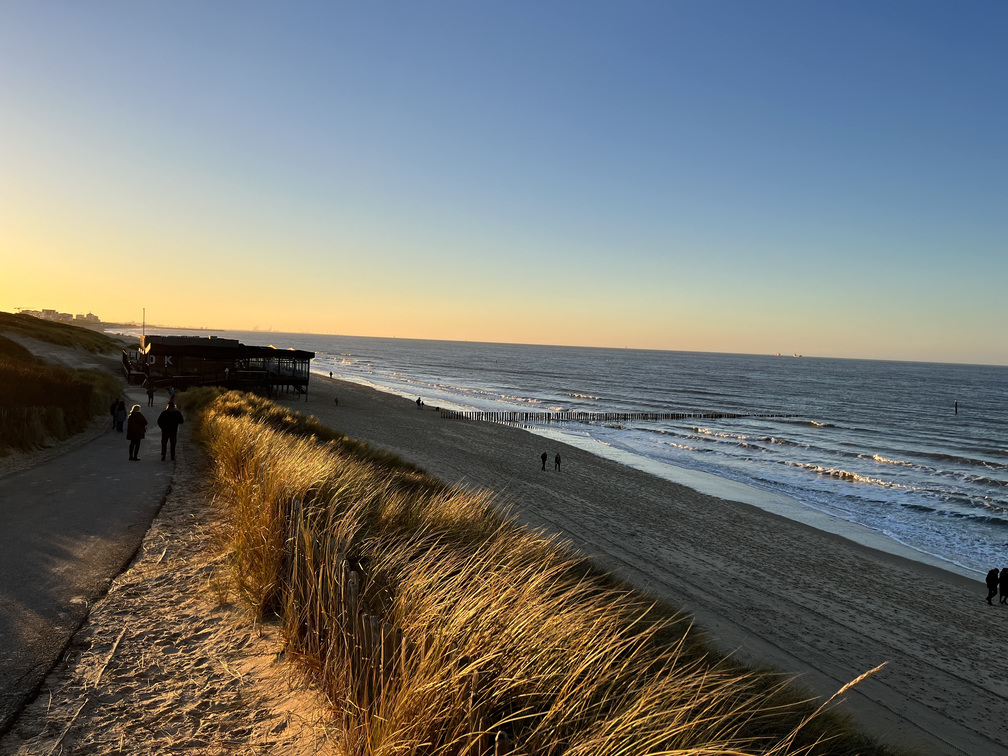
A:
[907,457]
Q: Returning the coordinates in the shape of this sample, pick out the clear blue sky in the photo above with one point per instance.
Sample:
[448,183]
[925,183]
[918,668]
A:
[826,178]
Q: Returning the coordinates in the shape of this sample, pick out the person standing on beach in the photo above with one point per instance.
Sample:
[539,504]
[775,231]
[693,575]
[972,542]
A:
[120,415]
[544,457]
[992,585]
[169,421]
[1003,585]
[136,428]
[419,404]
[556,462]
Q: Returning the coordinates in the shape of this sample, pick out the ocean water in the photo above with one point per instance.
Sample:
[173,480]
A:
[870,449]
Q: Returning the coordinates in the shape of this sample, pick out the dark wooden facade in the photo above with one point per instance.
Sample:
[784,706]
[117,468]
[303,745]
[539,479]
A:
[184,361]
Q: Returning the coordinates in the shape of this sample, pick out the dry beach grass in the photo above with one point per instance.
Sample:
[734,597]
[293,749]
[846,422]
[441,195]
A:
[435,624]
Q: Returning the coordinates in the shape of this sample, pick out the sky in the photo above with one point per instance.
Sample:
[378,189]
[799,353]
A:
[822,178]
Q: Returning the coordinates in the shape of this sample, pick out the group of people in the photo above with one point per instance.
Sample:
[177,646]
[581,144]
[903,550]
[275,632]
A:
[136,426]
[997,582]
[556,460]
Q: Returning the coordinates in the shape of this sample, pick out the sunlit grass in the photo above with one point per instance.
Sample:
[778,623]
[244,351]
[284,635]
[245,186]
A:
[436,624]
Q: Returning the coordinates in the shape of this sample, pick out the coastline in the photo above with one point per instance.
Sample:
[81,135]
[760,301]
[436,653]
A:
[766,589]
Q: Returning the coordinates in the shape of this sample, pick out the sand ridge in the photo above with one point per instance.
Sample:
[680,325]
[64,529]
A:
[769,590]
[162,667]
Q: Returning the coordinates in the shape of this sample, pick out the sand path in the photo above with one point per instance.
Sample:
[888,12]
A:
[770,590]
[164,662]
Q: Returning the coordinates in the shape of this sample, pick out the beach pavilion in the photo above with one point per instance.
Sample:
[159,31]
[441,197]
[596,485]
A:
[185,361]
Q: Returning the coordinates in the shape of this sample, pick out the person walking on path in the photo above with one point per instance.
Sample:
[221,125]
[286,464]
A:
[150,393]
[544,457]
[992,585]
[168,421]
[556,462]
[1003,585]
[136,428]
[112,411]
[120,415]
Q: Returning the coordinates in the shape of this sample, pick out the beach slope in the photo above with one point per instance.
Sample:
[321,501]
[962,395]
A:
[770,591]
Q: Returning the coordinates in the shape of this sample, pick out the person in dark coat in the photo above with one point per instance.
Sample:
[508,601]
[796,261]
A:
[1003,585]
[112,411]
[556,462]
[992,585]
[136,428]
[120,415]
[544,457]
[169,421]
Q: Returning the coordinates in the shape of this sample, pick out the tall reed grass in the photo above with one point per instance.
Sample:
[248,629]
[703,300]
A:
[436,624]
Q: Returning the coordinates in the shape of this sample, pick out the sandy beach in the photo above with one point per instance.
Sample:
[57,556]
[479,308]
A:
[771,591]
[163,666]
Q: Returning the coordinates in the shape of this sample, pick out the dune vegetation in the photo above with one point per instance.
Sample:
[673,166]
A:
[61,334]
[42,403]
[435,623]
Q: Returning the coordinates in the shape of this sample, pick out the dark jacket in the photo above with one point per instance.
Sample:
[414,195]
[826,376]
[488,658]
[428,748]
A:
[169,421]
[992,580]
[136,426]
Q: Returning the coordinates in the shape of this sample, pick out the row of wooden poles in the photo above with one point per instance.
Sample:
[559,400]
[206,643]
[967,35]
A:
[331,616]
[571,416]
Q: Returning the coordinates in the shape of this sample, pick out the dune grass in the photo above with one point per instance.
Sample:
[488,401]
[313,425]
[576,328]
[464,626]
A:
[61,334]
[436,624]
[41,403]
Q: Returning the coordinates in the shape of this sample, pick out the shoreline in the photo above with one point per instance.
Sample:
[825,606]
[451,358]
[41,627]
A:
[765,588]
[709,484]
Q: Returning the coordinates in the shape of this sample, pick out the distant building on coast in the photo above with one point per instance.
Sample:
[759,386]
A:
[60,317]
[184,361]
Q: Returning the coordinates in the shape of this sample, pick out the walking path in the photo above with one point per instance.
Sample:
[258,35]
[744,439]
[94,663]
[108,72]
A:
[67,527]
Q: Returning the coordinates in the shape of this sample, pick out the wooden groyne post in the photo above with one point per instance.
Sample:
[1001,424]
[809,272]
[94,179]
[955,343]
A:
[573,416]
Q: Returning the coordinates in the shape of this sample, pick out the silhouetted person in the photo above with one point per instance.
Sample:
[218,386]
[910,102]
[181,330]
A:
[556,462]
[112,411]
[168,421]
[992,585]
[419,404]
[150,393]
[1003,585]
[120,415]
[136,428]
[544,457]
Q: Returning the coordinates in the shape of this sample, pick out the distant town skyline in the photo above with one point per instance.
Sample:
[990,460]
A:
[815,178]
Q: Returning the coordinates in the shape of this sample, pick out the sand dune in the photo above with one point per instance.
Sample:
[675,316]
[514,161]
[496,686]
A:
[772,591]
[162,667]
